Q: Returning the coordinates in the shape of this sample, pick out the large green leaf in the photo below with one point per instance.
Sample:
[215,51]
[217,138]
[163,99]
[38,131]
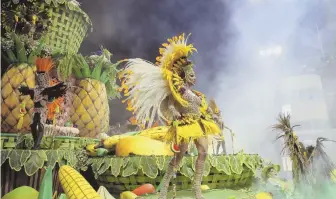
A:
[29,142]
[105,165]
[235,164]
[116,164]
[71,158]
[186,168]
[149,166]
[61,160]
[207,167]
[131,167]
[213,160]
[160,162]
[96,164]
[52,156]
[98,69]
[14,159]
[224,165]
[35,162]
[4,155]
[20,49]
[24,156]
[45,191]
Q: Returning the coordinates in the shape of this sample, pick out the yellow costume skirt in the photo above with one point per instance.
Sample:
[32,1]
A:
[191,131]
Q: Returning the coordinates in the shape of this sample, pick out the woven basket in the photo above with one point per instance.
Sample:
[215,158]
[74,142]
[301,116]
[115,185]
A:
[69,27]
[215,180]
[10,141]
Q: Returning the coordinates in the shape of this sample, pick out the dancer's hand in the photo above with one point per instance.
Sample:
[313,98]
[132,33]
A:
[176,115]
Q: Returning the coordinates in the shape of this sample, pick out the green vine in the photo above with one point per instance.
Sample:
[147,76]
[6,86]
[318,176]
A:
[33,160]
[151,165]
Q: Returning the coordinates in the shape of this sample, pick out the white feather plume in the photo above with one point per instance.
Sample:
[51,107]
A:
[148,89]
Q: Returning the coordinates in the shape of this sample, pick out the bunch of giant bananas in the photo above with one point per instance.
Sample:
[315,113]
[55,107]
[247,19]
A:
[154,136]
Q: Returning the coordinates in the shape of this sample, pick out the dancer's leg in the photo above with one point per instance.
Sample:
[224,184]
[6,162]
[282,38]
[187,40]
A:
[202,148]
[170,170]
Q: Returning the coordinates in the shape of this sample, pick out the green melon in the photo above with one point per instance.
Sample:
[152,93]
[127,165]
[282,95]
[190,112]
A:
[22,192]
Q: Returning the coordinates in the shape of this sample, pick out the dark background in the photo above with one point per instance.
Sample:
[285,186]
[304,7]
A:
[134,28]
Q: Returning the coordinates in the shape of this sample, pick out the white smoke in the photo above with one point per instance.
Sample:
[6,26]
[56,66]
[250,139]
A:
[264,51]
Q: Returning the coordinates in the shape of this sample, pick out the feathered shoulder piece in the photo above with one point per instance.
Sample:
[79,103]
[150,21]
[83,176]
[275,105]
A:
[146,85]
[172,60]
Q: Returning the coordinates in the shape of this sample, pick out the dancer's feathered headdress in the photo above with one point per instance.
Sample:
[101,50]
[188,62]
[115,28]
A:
[173,60]
[44,64]
[147,85]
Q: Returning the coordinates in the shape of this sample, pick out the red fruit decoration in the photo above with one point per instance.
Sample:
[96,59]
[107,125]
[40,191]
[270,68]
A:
[175,148]
[144,189]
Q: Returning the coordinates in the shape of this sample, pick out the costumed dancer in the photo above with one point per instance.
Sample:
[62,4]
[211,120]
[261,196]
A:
[40,95]
[163,91]
[217,116]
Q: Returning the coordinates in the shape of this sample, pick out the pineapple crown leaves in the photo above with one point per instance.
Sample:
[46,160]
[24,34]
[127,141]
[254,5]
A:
[21,49]
[97,66]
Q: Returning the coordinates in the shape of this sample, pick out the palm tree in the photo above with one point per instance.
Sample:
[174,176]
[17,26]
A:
[292,146]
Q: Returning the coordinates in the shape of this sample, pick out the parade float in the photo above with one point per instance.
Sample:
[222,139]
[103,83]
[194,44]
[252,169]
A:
[49,143]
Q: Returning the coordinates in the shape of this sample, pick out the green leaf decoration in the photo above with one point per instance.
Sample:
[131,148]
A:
[125,162]
[14,160]
[52,156]
[116,164]
[186,168]
[20,139]
[131,167]
[24,156]
[250,163]
[29,142]
[160,162]
[241,157]
[47,142]
[35,162]
[207,168]
[149,166]
[96,164]
[4,156]
[71,159]
[236,167]
[213,160]
[224,165]
[105,165]
[193,162]
[45,191]
[61,160]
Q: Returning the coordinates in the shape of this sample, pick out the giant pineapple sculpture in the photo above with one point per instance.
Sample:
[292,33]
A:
[20,72]
[25,26]
[95,84]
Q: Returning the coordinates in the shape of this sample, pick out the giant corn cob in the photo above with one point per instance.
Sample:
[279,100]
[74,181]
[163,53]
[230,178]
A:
[74,184]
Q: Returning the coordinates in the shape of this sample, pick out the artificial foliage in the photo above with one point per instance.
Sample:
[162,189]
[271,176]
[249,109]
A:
[25,141]
[18,49]
[151,165]
[33,160]
[96,67]
[121,174]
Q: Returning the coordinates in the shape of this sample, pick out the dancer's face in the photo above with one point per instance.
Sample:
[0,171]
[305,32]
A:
[190,76]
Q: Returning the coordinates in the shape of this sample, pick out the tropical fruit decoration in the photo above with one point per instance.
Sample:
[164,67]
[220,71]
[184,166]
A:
[20,52]
[22,192]
[74,184]
[95,84]
[139,145]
